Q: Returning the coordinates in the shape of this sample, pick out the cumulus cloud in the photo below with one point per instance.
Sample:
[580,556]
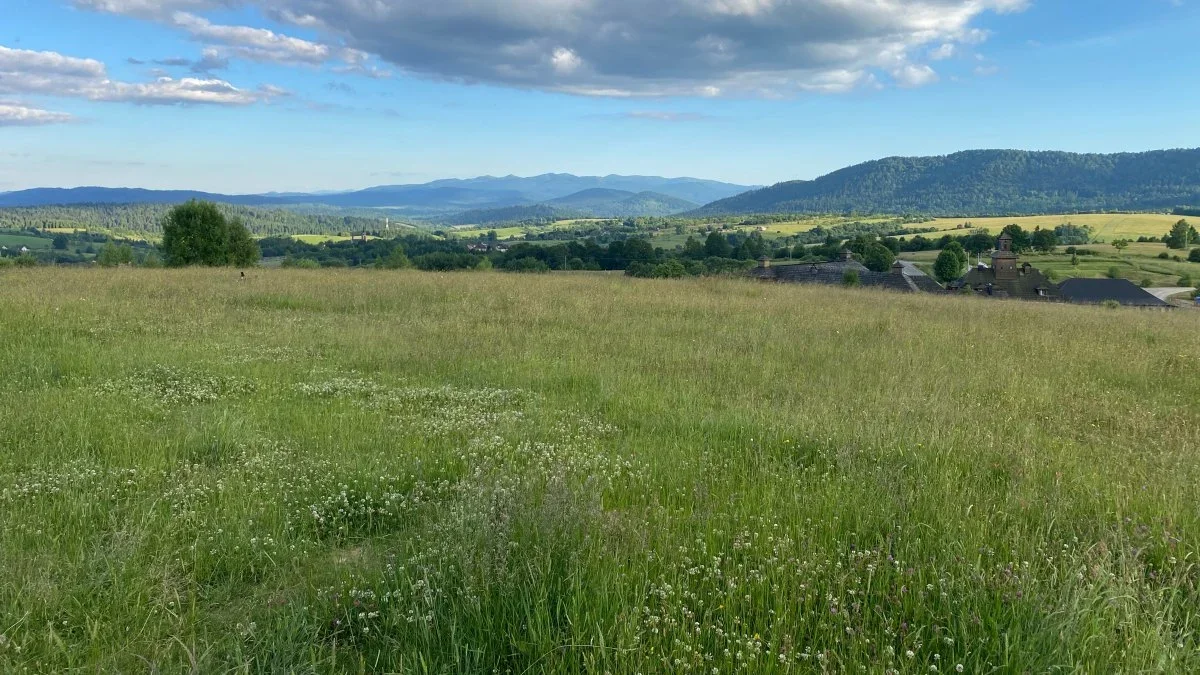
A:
[944,51]
[910,75]
[618,48]
[16,115]
[260,44]
[24,72]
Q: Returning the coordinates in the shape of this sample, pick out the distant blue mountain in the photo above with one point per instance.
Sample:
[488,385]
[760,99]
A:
[442,196]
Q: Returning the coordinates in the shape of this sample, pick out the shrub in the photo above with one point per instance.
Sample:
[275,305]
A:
[1147,283]
[301,263]
[1114,273]
[396,260]
[672,269]
[1110,304]
[1164,256]
[5,262]
[850,278]
[1185,280]
[25,260]
[527,265]
[1194,256]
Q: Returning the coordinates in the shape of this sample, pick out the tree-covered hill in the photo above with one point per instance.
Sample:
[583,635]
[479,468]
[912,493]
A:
[987,182]
[603,203]
[147,219]
[537,214]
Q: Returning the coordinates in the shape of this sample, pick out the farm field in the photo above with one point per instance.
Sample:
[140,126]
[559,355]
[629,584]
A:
[15,241]
[356,471]
[1138,263]
[1107,226]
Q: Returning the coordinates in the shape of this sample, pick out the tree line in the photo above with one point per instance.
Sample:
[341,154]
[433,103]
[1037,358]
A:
[148,219]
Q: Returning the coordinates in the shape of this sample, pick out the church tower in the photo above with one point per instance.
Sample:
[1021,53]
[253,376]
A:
[1004,261]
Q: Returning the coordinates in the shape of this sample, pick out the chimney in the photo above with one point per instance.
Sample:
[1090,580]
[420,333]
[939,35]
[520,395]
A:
[847,255]
[898,268]
[764,262]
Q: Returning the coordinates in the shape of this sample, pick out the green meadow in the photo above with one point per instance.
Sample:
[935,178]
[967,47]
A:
[1139,262]
[403,472]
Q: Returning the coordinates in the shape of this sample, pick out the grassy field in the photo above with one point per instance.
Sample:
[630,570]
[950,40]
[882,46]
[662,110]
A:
[1138,262]
[1107,226]
[353,471]
[16,241]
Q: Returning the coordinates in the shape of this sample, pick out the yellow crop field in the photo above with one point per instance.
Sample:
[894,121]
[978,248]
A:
[1107,226]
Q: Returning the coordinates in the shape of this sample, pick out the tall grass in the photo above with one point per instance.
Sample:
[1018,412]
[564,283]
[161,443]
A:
[406,472]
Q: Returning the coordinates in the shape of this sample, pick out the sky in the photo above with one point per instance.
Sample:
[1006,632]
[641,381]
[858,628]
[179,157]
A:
[249,96]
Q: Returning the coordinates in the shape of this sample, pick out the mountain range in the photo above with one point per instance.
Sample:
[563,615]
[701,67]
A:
[429,199]
[970,183]
[987,182]
[591,203]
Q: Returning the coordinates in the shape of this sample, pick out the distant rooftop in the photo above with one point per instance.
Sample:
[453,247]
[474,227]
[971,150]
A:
[1096,291]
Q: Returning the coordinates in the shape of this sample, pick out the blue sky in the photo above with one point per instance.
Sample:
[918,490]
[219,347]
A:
[195,94]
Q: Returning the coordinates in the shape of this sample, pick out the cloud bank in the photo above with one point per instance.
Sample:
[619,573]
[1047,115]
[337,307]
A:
[619,48]
[38,73]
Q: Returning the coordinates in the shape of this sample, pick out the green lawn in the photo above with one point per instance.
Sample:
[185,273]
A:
[16,241]
[398,472]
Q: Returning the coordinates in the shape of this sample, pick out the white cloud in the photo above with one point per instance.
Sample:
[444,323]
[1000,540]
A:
[25,72]
[911,75]
[16,115]
[260,44]
[50,63]
[565,61]
[943,52]
[608,47]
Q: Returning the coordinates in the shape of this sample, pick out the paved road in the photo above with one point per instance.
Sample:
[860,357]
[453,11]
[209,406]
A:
[912,270]
[1165,293]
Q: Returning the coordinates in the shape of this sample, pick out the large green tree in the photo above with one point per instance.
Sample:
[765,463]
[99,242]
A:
[959,252]
[1021,241]
[197,233]
[1044,241]
[878,258]
[948,266]
[717,246]
[1182,235]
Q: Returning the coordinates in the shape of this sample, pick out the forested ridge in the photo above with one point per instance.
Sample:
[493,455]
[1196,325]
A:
[147,219]
[987,182]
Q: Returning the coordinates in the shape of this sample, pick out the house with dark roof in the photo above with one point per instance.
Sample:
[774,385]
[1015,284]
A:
[901,278]
[1099,291]
[1005,278]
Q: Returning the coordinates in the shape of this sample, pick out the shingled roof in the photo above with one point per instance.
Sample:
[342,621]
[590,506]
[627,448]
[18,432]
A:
[1030,284]
[1097,291]
[834,274]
